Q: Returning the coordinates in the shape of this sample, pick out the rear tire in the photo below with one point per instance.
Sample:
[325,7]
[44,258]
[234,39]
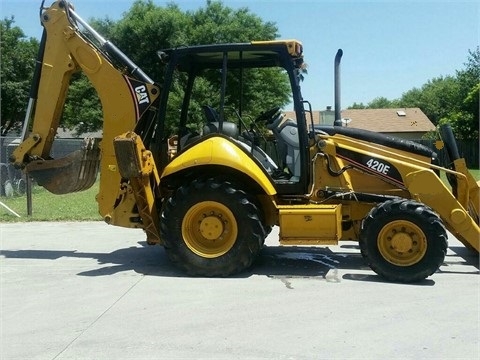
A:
[211,228]
[403,240]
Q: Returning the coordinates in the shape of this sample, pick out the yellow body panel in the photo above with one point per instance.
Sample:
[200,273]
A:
[220,151]
[294,46]
[419,183]
[136,163]
[310,224]
[425,188]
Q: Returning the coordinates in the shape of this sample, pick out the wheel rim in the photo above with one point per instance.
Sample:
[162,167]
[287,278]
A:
[402,243]
[209,229]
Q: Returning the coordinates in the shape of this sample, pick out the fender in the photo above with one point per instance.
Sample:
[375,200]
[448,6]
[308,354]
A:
[220,151]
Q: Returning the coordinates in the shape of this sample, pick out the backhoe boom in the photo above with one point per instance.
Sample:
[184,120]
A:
[125,97]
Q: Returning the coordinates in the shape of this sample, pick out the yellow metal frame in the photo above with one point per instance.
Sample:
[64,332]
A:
[421,184]
[218,150]
[310,224]
[136,163]
[209,229]
[295,47]
[402,243]
[67,52]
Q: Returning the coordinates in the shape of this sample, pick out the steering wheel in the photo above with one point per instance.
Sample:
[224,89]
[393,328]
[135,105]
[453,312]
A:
[268,116]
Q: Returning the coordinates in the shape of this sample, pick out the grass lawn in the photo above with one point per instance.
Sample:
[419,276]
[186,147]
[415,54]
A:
[475,173]
[80,206]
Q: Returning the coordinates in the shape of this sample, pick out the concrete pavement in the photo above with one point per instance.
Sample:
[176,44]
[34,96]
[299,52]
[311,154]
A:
[91,291]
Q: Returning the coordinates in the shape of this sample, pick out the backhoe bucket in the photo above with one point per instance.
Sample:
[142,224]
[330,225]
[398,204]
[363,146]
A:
[74,172]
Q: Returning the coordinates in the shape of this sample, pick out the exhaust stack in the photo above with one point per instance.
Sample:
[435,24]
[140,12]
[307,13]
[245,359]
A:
[338,115]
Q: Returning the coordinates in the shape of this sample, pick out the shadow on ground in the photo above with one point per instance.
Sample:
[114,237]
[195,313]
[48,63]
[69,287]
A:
[152,260]
[460,257]
[274,261]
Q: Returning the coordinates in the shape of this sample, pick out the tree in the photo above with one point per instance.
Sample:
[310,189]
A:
[382,103]
[147,28]
[82,111]
[464,117]
[452,99]
[377,103]
[217,23]
[358,106]
[436,98]
[18,61]
[445,99]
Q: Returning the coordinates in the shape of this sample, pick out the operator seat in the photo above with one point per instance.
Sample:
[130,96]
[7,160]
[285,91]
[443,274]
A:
[210,113]
[288,147]
[213,124]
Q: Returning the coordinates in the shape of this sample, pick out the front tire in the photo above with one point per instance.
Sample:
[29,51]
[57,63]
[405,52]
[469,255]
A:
[211,228]
[403,240]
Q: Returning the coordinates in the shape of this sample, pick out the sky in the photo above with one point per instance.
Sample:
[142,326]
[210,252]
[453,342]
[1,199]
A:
[389,47]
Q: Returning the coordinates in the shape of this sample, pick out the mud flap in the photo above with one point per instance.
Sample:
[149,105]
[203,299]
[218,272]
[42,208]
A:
[74,172]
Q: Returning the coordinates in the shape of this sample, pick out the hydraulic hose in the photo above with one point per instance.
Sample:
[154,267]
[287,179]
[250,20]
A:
[449,141]
[112,50]
[35,84]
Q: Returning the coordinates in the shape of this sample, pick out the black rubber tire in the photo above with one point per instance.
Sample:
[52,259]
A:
[267,230]
[245,247]
[402,211]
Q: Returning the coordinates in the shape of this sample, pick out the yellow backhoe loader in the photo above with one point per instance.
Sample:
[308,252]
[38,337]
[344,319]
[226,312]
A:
[211,194]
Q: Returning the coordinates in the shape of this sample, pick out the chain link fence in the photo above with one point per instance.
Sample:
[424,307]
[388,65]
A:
[12,181]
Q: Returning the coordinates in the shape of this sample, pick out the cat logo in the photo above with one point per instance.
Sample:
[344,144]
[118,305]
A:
[142,95]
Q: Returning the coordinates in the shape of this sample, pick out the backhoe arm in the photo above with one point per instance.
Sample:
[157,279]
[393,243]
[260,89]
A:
[126,96]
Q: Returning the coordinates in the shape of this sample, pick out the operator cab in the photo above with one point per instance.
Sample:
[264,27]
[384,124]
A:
[219,96]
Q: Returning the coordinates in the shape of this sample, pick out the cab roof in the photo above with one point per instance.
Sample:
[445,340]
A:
[245,55]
